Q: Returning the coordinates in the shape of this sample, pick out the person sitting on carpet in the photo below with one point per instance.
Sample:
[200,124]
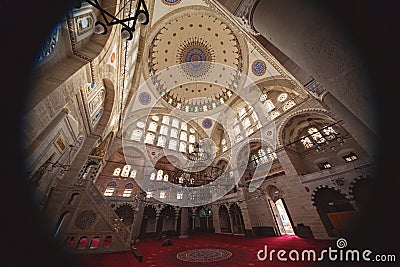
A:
[167,241]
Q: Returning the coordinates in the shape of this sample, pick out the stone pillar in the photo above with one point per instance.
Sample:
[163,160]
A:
[184,223]
[216,223]
[231,221]
[297,200]
[137,223]
[246,218]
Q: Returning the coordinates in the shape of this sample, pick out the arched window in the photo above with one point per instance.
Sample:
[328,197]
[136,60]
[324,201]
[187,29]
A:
[249,131]
[192,139]
[163,194]
[317,136]
[183,136]
[269,105]
[174,133]
[172,144]
[329,132]
[149,138]
[272,155]
[137,135]
[117,171]
[160,175]
[180,179]
[182,147]
[175,123]
[126,170]
[155,118]
[110,189]
[263,97]
[152,126]
[275,114]
[282,97]
[246,123]
[161,141]
[184,126]
[306,142]
[164,130]
[152,176]
[179,195]
[133,174]
[165,120]
[166,177]
[191,148]
[128,190]
[254,116]
[289,104]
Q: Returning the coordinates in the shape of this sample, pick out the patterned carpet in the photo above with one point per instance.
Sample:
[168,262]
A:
[208,250]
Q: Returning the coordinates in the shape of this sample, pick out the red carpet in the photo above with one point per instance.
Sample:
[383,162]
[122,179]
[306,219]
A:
[244,251]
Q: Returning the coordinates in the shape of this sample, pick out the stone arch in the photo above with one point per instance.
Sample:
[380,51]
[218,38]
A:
[237,218]
[334,209]
[224,219]
[326,187]
[282,125]
[359,190]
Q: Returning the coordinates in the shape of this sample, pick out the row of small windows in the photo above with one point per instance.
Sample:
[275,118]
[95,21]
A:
[270,106]
[263,156]
[126,172]
[347,158]
[110,189]
[329,134]
[166,133]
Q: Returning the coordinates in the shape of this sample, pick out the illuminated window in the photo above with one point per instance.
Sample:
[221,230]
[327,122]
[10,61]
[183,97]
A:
[155,118]
[262,157]
[191,148]
[126,170]
[172,144]
[272,155]
[275,114]
[324,165]
[350,157]
[141,124]
[223,141]
[269,105]
[329,132]
[163,194]
[133,174]
[183,136]
[242,112]
[128,190]
[153,176]
[224,148]
[137,135]
[254,116]
[249,131]
[282,97]
[175,123]
[289,104]
[174,133]
[117,171]
[153,126]
[182,147]
[149,138]
[149,194]
[161,141]
[164,130]
[184,126]
[109,192]
[192,139]
[236,130]
[166,177]
[110,189]
[317,136]
[306,142]
[165,120]
[181,180]
[160,175]
[246,123]
[263,97]
[179,195]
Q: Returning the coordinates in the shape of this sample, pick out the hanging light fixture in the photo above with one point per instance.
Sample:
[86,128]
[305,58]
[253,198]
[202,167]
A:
[128,23]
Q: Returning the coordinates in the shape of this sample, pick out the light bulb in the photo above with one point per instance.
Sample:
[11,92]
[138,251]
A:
[142,18]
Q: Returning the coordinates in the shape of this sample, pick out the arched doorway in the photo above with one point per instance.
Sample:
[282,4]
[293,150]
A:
[166,221]
[126,213]
[279,211]
[204,220]
[360,192]
[224,220]
[335,211]
[237,219]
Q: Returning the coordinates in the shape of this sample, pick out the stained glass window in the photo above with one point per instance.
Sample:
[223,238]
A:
[306,142]
[317,136]
[126,170]
[117,171]
[288,104]
[272,155]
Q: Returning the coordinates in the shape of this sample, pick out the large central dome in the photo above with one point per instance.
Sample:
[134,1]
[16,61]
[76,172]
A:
[203,57]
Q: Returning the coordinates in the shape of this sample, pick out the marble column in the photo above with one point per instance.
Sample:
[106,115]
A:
[184,223]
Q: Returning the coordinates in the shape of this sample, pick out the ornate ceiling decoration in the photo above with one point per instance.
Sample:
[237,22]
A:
[207,57]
